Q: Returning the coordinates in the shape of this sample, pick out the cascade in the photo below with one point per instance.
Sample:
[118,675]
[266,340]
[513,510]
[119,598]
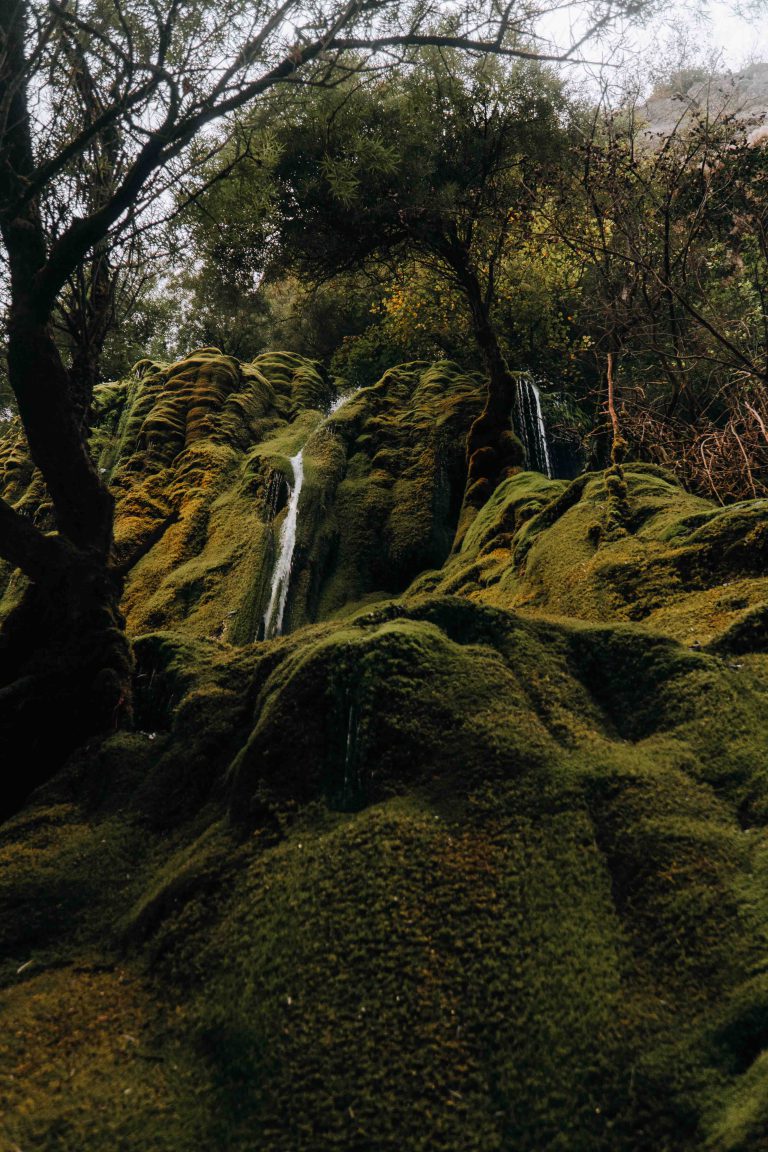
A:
[340,399]
[273,617]
[533,432]
[281,577]
[350,789]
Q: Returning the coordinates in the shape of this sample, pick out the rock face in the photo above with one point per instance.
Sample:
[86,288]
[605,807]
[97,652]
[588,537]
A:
[207,442]
[472,857]
[741,95]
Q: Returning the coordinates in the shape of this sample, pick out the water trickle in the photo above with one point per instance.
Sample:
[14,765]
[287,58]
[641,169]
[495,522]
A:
[337,403]
[533,432]
[351,785]
[281,577]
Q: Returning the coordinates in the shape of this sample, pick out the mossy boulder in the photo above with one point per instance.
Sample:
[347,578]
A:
[437,869]
[684,567]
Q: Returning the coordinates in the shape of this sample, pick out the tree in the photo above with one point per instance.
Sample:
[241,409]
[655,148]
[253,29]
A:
[364,179]
[673,230]
[157,77]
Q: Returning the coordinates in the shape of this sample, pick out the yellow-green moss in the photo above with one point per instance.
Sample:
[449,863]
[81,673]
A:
[687,568]
[480,864]
[84,1065]
[198,451]
[525,913]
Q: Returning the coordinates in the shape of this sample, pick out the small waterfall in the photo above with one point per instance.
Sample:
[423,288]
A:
[350,789]
[281,577]
[533,432]
[340,399]
[337,403]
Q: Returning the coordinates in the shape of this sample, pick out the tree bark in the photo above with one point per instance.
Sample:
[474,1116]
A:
[65,670]
[493,450]
[65,664]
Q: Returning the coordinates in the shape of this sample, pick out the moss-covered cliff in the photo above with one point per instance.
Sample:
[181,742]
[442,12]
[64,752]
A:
[205,444]
[473,857]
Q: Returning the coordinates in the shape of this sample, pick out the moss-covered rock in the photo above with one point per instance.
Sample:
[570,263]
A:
[197,454]
[473,857]
[489,881]
[683,566]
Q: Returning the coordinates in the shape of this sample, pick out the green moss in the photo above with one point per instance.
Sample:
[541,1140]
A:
[473,857]
[85,1066]
[682,567]
[490,890]
[304,381]
[357,1030]
[197,453]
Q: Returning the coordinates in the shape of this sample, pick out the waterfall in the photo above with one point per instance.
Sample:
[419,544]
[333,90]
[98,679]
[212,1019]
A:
[350,789]
[337,403]
[533,432]
[340,399]
[281,577]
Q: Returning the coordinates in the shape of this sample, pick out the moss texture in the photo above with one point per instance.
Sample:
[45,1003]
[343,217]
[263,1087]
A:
[473,857]
[682,565]
[197,455]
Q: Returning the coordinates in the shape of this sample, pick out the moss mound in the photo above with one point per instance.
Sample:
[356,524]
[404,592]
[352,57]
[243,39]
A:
[473,857]
[684,566]
[197,454]
[486,880]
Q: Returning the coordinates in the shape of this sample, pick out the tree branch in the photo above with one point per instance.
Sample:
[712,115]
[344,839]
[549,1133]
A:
[23,545]
[465,44]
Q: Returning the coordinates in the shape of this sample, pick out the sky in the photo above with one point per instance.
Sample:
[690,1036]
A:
[719,37]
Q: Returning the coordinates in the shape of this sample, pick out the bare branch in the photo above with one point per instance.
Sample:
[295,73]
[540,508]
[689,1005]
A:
[461,43]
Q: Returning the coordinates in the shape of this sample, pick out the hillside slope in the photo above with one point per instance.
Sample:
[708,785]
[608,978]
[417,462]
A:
[473,856]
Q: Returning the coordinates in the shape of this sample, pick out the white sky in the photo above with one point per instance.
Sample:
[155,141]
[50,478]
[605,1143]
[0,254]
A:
[718,37]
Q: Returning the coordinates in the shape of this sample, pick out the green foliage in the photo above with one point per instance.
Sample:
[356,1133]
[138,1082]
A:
[226,229]
[358,178]
[317,320]
[363,174]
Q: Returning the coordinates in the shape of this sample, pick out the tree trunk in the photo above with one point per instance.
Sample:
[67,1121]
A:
[65,671]
[65,663]
[493,450]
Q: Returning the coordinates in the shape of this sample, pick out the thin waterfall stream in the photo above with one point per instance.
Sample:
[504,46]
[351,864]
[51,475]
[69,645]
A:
[281,576]
[533,432]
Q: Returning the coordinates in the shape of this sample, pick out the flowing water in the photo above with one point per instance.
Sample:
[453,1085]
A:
[533,432]
[281,577]
[351,785]
[341,399]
